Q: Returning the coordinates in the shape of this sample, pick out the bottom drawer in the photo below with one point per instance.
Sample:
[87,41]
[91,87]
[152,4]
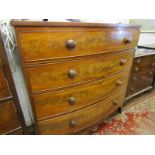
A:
[8,118]
[78,120]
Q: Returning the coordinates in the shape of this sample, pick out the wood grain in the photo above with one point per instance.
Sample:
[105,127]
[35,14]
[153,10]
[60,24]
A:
[4,90]
[82,118]
[56,75]
[54,103]
[50,43]
[48,51]
[8,117]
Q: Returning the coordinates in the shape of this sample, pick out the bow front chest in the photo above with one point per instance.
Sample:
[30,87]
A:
[76,73]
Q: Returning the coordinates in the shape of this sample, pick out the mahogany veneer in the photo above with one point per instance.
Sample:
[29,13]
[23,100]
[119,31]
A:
[76,73]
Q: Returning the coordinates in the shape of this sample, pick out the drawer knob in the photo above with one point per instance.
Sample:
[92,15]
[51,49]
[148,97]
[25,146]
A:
[123,62]
[138,61]
[127,40]
[135,79]
[153,64]
[72,124]
[72,100]
[151,73]
[118,83]
[72,74]
[71,44]
[136,69]
[132,89]
[115,103]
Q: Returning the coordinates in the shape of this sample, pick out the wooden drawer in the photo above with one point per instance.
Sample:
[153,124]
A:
[55,43]
[143,64]
[139,82]
[59,102]
[8,117]
[75,121]
[57,75]
[4,91]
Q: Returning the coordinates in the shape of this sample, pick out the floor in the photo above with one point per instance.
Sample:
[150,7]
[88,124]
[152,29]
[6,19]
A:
[136,119]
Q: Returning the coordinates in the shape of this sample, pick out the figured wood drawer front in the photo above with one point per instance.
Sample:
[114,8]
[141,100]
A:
[139,82]
[55,43]
[75,121]
[60,102]
[4,91]
[8,117]
[53,76]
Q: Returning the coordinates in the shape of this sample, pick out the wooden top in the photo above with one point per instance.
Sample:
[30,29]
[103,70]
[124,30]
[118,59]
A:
[68,24]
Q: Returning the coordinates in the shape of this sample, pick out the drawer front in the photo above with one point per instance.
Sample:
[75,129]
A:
[53,76]
[8,117]
[143,64]
[4,91]
[60,102]
[75,121]
[54,43]
[139,82]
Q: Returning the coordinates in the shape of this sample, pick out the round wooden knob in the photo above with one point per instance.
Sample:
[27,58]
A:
[71,44]
[138,61]
[115,103]
[136,69]
[127,40]
[118,83]
[151,73]
[72,74]
[135,79]
[71,100]
[72,124]
[123,61]
[153,64]
[132,89]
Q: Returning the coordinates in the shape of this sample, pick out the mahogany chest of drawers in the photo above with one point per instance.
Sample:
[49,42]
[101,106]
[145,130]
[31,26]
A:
[11,118]
[76,73]
[142,73]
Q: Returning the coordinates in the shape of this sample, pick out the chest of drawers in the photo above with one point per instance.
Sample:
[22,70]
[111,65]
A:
[142,73]
[11,118]
[76,73]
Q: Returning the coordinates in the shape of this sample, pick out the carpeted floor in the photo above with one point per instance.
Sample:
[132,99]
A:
[138,119]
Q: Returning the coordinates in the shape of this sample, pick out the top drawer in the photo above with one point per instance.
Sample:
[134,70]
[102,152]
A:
[55,43]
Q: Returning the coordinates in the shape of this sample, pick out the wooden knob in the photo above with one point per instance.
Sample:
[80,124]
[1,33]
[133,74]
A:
[71,44]
[115,103]
[136,69]
[135,79]
[127,40]
[123,61]
[138,61]
[72,100]
[151,73]
[153,64]
[72,124]
[72,74]
[132,89]
[118,83]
